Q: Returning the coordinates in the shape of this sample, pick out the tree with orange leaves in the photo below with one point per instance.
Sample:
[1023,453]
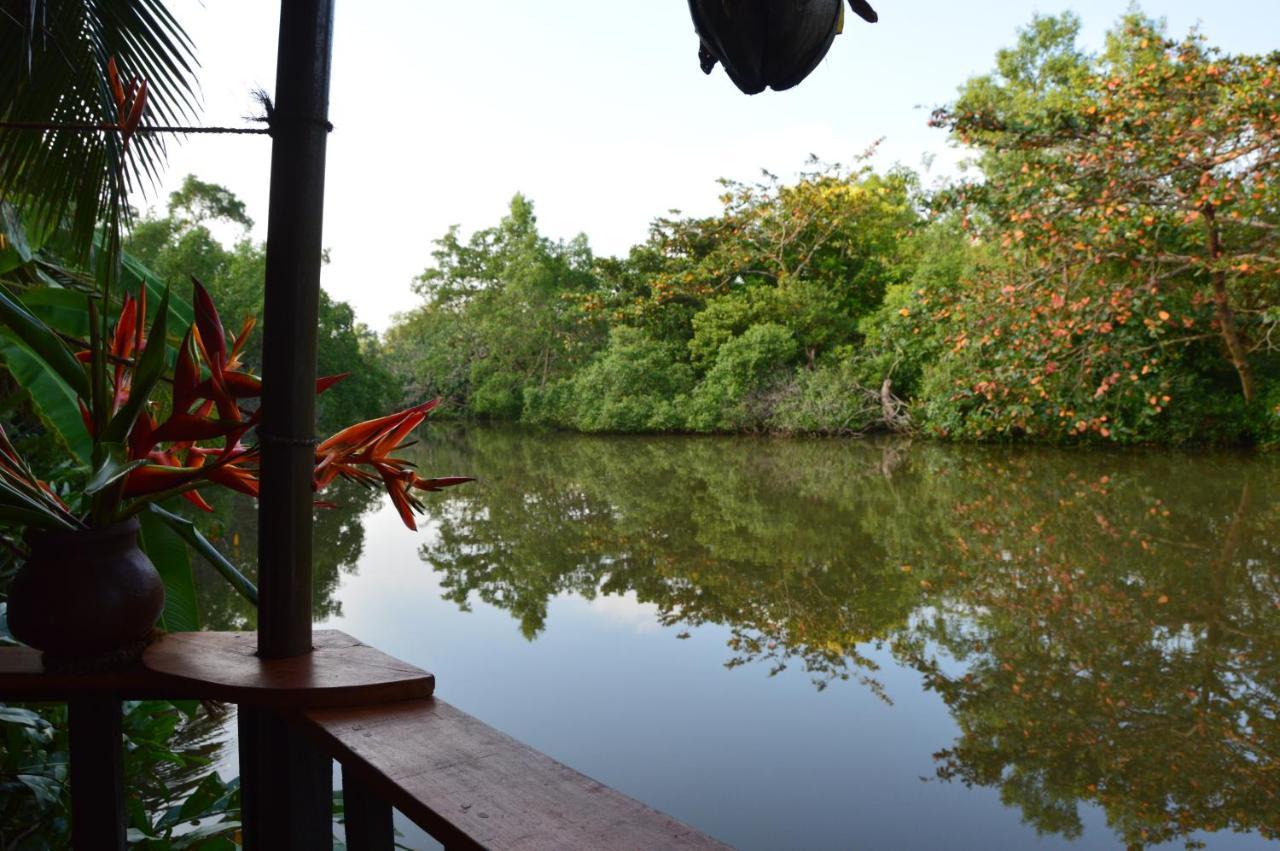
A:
[1137,195]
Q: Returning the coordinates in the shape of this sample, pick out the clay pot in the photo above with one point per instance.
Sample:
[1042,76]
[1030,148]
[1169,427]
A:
[86,594]
[768,43]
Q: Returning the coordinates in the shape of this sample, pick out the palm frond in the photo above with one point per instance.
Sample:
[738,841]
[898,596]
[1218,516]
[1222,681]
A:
[53,59]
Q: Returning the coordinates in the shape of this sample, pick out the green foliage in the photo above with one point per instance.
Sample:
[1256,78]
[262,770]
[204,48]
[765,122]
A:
[517,327]
[169,752]
[634,384]
[830,399]
[180,244]
[168,552]
[503,315]
[735,394]
[728,316]
[55,71]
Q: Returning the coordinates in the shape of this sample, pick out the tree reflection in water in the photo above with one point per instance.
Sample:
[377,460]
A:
[233,528]
[1104,628]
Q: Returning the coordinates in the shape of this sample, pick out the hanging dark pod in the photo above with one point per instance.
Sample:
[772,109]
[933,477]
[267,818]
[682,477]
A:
[768,43]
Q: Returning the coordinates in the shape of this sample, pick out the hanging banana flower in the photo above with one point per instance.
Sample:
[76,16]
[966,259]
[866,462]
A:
[769,43]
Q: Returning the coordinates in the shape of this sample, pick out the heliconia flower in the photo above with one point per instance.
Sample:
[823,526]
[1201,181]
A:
[189,427]
[440,483]
[225,470]
[208,384]
[235,477]
[186,376]
[129,102]
[368,445]
[210,327]
[198,501]
[154,478]
[324,383]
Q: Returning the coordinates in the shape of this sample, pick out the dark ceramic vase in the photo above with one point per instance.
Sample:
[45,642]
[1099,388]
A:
[86,594]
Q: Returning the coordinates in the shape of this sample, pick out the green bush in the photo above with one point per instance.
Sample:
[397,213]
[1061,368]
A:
[629,386]
[742,386]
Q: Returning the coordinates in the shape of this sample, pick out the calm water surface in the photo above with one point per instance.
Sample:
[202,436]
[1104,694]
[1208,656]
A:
[797,644]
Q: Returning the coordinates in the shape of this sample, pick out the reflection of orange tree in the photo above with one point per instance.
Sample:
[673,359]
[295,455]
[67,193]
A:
[1110,655]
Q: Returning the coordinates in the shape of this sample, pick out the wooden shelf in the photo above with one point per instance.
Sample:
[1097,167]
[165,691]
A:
[340,671]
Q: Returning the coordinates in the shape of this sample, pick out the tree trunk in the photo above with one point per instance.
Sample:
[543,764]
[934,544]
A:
[1222,310]
[891,408]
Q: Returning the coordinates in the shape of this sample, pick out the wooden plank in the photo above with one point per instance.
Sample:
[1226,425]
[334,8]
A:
[97,774]
[366,816]
[340,671]
[471,786]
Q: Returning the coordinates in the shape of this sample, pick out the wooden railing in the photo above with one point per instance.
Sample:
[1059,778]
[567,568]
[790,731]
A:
[463,782]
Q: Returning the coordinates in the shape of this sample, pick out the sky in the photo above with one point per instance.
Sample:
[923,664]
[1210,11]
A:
[597,111]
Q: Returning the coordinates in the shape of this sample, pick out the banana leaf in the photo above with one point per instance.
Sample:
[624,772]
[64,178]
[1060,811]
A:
[52,400]
[21,324]
[187,530]
[169,553]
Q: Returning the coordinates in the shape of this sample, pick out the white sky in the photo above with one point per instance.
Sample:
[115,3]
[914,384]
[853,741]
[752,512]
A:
[596,110]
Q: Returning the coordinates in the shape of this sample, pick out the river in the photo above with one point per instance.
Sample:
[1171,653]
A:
[835,644]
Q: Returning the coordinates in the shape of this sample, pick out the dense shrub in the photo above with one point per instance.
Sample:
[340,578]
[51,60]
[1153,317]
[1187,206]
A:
[632,385]
[738,392]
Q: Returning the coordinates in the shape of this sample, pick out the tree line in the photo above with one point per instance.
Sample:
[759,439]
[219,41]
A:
[1108,270]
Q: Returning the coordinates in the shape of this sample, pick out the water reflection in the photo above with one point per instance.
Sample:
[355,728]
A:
[233,528]
[1102,627]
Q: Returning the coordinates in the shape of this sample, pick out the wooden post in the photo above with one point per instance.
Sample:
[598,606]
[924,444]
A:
[97,774]
[367,816]
[287,783]
[299,126]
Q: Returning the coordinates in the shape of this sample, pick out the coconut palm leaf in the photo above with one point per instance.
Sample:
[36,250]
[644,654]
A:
[53,60]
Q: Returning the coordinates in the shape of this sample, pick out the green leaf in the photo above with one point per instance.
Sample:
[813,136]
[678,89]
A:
[48,790]
[54,402]
[115,466]
[200,802]
[77,180]
[187,530]
[60,308]
[11,515]
[25,717]
[31,507]
[169,553]
[145,376]
[43,341]
[208,837]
